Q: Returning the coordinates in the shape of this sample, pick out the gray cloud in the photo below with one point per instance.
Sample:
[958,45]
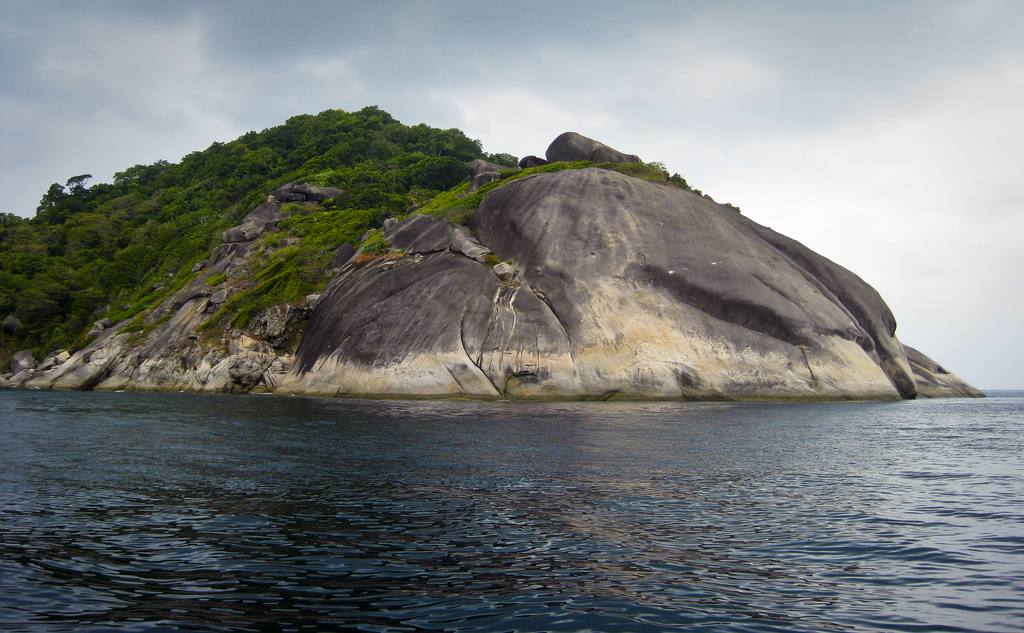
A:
[883,134]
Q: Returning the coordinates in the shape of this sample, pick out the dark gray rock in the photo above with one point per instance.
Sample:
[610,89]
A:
[11,324]
[295,192]
[481,166]
[440,322]
[225,253]
[620,287]
[571,146]
[531,161]
[583,236]
[262,214]
[234,234]
[421,234]
[482,172]
[286,195]
[342,255]
[318,194]
[196,289]
[482,179]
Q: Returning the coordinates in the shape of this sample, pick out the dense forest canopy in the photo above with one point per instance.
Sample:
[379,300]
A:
[112,249]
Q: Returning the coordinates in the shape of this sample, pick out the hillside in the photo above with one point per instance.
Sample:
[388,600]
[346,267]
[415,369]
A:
[113,250]
[349,254]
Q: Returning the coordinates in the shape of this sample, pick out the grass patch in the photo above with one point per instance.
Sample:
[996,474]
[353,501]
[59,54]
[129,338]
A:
[291,273]
[458,205]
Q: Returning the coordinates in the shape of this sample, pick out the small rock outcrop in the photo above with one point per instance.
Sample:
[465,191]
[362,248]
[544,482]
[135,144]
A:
[296,192]
[531,161]
[22,361]
[571,146]
[482,172]
[424,234]
[11,324]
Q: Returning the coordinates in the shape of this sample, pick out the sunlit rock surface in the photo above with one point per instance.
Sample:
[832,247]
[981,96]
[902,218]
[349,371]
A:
[622,288]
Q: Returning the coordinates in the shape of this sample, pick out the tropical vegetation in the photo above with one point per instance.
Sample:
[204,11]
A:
[113,250]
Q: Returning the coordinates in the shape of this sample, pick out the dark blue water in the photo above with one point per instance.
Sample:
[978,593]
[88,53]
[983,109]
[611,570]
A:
[179,512]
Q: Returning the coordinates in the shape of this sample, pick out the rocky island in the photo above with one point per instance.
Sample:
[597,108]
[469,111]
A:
[567,278]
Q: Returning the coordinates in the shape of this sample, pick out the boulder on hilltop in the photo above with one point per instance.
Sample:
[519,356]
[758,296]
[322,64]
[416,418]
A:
[571,147]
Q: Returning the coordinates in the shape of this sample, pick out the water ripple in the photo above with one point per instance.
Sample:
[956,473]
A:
[185,513]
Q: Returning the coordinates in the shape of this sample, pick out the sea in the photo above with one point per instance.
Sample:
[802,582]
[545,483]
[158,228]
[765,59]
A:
[197,512]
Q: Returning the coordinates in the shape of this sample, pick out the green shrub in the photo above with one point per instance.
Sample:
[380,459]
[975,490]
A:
[291,273]
[376,244]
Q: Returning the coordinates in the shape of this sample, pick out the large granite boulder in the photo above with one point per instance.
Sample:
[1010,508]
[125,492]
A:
[571,146]
[527,162]
[342,254]
[296,192]
[482,172]
[21,361]
[663,290]
[618,288]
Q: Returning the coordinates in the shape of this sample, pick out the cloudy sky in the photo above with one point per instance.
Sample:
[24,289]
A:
[888,136]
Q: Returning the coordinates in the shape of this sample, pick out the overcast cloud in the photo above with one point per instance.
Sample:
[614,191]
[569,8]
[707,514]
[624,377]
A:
[886,136]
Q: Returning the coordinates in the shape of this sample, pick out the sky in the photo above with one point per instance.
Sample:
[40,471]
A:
[887,136]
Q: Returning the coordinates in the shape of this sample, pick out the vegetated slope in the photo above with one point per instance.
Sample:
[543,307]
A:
[111,251]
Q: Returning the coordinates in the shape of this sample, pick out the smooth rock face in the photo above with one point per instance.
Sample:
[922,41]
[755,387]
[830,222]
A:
[438,324]
[934,381]
[623,288]
[687,291]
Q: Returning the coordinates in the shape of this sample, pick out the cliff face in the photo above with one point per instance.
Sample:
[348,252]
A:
[583,283]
